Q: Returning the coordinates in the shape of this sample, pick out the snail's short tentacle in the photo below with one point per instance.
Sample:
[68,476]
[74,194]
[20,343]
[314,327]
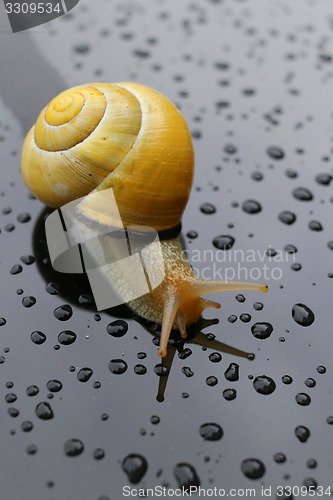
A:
[170,310]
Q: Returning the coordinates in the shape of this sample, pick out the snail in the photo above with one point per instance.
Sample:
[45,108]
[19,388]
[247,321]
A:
[130,138]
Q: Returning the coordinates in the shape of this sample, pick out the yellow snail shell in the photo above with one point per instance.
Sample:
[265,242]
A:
[132,139]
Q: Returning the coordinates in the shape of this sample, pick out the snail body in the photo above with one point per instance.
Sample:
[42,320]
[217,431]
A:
[130,140]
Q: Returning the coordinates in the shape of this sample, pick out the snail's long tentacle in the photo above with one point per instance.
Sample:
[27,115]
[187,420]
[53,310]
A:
[170,310]
[201,286]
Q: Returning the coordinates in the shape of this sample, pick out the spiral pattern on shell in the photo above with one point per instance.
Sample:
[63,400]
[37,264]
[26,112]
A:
[123,136]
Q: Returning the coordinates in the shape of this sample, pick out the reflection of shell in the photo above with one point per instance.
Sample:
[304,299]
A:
[123,136]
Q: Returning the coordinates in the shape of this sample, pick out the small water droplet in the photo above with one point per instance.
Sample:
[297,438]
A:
[251,207]
[287,217]
[211,381]
[207,208]
[211,432]
[73,447]
[140,369]
[232,372]
[275,152]
[38,337]
[303,399]
[84,374]
[302,433]
[44,411]
[54,385]
[302,194]
[303,315]
[117,366]
[29,301]
[223,242]
[17,269]
[215,357]
[67,337]
[117,328]
[229,394]
[315,225]
[280,458]
[63,313]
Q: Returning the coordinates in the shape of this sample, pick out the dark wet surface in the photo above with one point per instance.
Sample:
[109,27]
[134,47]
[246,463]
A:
[85,409]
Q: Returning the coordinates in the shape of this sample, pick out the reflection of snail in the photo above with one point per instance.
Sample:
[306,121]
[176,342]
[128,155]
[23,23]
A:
[132,139]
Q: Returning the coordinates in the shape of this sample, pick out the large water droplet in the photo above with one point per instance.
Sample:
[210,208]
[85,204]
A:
[251,206]
[186,476]
[287,217]
[135,466]
[261,330]
[302,194]
[117,328]
[44,411]
[117,366]
[66,337]
[63,313]
[303,315]
[223,242]
[211,432]
[264,385]
[84,374]
[232,372]
[253,468]
[302,433]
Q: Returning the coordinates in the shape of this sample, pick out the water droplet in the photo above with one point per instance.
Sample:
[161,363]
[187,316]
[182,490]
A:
[211,381]
[251,207]
[310,382]
[185,353]
[99,453]
[257,176]
[258,306]
[44,411]
[232,318]
[287,217]
[315,225]
[24,217]
[117,328]
[28,259]
[264,385]
[215,357]
[27,426]
[280,458]
[229,394]
[140,369]
[161,370]
[117,366]
[245,318]
[223,242]
[324,179]
[63,313]
[321,369]
[54,385]
[261,330]
[67,337]
[10,398]
[82,48]
[84,374]
[232,372]
[52,288]
[302,433]
[240,297]
[303,399]
[16,269]
[32,449]
[296,266]
[135,466]
[207,208]
[32,390]
[211,432]
[28,301]
[253,468]
[2,321]
[302,194]
[38,337]
[186,476]
[187,371]
[311,463]
[192,235]
[73,447]
[303,315]
[275,152]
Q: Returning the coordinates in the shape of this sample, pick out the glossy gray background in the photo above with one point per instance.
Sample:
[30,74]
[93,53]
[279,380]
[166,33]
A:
[283,52]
